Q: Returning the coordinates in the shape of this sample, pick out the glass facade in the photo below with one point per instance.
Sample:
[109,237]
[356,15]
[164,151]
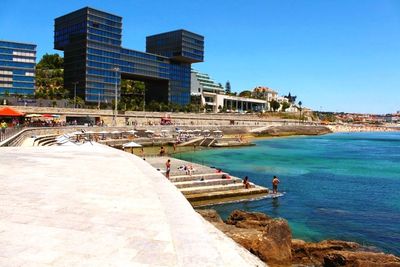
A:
[17,68]
[95,61]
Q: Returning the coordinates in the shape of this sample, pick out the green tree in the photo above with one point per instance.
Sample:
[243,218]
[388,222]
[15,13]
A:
[245,94]
[228,87]
[132,95]
[274,105]
[50,78]
[300,108]
[285,106]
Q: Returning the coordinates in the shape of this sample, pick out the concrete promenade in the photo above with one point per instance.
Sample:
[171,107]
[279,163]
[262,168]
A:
[92,205]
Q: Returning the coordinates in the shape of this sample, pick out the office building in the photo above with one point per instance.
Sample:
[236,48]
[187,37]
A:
[95,61]
[17,68]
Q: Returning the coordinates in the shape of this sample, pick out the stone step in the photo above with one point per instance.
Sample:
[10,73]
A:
[198,199]
[195,177]
[199,183]
[212,188]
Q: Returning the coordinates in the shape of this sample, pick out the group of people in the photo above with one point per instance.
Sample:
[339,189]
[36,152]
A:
[246,182]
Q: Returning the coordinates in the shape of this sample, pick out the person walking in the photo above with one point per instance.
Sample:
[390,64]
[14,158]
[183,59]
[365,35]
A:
[275,183]
[168,168]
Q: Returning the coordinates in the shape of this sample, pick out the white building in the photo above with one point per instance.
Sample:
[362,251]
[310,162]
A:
[213,96]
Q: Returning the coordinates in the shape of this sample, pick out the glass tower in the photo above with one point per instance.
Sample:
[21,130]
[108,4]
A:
[95,61]
[17,68]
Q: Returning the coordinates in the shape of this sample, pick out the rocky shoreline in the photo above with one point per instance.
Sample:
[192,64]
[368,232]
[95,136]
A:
[271,240]
[291,130]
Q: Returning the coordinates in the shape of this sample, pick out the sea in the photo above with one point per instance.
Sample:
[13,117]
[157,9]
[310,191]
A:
[342,186]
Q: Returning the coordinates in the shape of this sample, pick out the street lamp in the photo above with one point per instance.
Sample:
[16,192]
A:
[116,69]
[75,83]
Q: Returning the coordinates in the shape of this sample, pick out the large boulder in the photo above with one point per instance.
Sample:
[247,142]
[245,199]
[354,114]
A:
[269,239]
[210,215]
[332,253]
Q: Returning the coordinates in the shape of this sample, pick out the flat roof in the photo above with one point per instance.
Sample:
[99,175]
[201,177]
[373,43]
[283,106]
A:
[14,42]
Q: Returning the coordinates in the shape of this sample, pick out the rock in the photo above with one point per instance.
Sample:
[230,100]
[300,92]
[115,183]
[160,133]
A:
[210,215]
[332,253]
[250,220]
[294,130]
[269,239]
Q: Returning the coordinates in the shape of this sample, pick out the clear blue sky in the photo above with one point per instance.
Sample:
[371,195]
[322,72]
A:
[339,55]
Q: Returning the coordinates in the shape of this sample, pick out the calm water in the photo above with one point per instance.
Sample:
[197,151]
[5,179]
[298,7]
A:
[338,186]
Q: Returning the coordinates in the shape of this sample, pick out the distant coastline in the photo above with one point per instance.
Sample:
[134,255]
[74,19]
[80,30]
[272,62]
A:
[363,128]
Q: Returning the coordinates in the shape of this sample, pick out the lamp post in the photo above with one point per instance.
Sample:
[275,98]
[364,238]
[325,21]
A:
[116,69]
[75,83]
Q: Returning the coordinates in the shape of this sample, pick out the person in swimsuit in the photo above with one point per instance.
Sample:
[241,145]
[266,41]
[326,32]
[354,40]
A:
[168,168]
[275,183]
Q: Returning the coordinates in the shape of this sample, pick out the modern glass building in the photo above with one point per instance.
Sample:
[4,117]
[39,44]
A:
[17,68]
[95,62]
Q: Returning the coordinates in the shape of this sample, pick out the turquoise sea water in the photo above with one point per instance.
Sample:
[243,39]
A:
[338,186]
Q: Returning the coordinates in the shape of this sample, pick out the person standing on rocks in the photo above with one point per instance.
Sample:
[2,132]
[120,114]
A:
[275,183]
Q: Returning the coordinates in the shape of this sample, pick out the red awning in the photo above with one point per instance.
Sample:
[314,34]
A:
[10,112]
[47,115]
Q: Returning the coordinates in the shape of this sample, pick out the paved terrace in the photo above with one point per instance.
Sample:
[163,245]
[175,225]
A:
[97,206]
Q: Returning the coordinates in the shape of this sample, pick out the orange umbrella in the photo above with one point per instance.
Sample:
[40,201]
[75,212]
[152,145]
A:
[10,112]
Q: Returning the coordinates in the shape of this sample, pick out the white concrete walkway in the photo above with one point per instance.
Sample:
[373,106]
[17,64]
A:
[97,206]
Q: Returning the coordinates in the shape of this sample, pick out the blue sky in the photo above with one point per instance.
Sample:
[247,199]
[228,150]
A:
[339,55]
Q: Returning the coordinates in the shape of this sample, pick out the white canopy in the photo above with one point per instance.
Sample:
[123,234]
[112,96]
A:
[115,132]
[217,131]
[131,144]
[149,131]
[33,115]
[132,131]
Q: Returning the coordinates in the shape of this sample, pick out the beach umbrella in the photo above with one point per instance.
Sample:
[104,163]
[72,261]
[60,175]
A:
[217,131]
[149,131]
[206,131]
[132,131]
[131,144]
